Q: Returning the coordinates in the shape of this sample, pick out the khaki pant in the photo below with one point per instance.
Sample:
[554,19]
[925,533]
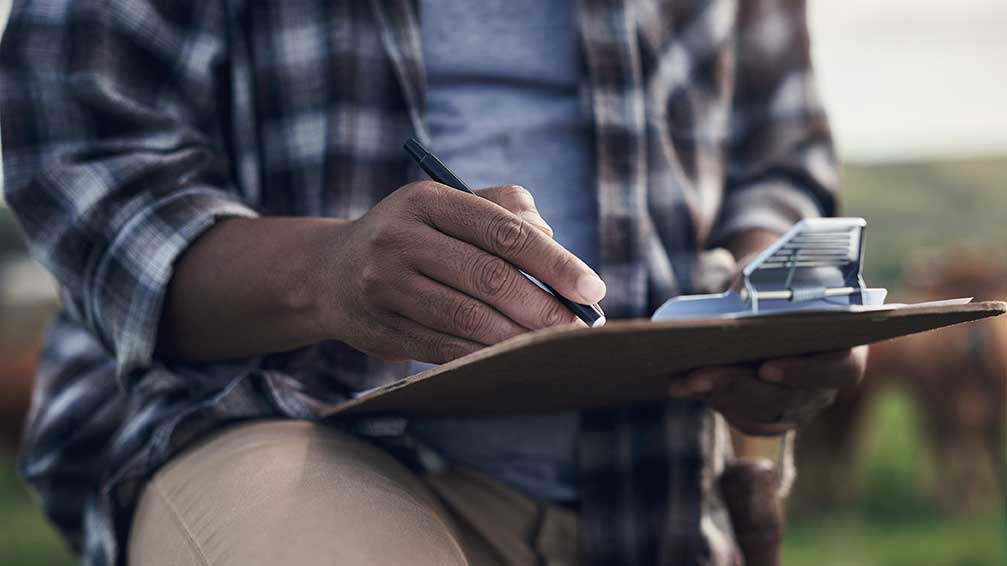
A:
[291,493]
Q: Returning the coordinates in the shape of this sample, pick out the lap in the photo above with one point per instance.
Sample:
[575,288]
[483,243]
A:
[288,492]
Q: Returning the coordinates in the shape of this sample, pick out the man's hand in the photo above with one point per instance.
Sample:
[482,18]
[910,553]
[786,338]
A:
[431,273]
[428,274]
[777,395]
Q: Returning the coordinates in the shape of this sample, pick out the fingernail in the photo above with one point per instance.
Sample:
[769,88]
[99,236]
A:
[771,373]
[591,287]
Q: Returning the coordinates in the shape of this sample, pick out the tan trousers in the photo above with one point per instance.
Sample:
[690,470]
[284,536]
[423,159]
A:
[292,493]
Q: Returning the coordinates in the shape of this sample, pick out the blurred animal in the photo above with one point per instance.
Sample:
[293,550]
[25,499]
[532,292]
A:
[18,363]
[957,377]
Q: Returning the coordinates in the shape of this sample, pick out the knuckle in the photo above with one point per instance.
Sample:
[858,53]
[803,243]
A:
[554,314]
[469,317]
[369,279]
[448,349]
[511,197]
[412,189]
[416,195]
[384,237]
[456,350]
[508,235]
[408,193]
[491,276]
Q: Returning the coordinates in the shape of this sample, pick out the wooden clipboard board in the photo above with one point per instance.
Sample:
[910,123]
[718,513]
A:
[625,362]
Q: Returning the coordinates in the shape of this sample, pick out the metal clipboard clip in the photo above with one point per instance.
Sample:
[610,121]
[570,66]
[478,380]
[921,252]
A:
[816,265]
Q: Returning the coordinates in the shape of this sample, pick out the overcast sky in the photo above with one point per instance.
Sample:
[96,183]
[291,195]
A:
[908,79]
[912,79]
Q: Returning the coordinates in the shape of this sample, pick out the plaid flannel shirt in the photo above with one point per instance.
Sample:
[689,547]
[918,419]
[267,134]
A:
[129,127]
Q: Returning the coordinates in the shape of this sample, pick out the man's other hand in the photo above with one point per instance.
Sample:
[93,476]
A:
[776,395]
[432,273]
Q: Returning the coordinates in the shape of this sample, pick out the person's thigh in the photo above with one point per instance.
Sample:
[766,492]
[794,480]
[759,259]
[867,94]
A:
[288,493]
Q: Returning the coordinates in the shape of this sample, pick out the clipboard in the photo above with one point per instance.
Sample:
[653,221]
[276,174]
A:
[805,294]
[627,362]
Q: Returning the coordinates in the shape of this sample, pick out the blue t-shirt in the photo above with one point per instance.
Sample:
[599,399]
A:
[504,107]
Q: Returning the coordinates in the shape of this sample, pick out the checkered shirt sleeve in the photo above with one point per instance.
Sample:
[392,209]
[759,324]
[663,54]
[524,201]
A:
[111,153]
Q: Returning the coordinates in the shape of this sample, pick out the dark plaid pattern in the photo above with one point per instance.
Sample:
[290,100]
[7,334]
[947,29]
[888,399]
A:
[129,127]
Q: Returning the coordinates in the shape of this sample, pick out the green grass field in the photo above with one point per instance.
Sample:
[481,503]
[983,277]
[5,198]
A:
[25,538]
[853,540]
[894,522]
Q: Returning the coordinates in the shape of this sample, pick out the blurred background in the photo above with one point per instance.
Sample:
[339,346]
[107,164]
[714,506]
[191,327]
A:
[909,470]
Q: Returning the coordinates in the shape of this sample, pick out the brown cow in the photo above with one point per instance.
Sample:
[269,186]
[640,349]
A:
[18,363]
[956,376]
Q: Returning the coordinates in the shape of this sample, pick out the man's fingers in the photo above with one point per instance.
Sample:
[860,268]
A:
[739,392]
[446,310]
[518,200]
[489,279]
[740,396]
[697,383]
[784,419]
[427,345]
[501,233]
[832,370]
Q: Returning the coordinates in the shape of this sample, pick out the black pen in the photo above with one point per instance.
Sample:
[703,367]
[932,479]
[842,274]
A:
[592,315]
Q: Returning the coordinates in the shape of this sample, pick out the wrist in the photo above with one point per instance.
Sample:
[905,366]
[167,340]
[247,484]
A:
[750,243]
[313,290]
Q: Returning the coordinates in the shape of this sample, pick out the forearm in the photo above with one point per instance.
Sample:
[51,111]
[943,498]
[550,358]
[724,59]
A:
[248,287]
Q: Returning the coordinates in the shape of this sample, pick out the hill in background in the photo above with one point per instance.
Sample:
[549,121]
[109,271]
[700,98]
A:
[913,207]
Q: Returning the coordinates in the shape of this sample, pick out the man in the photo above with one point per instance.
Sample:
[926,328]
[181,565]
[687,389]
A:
[216,185]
